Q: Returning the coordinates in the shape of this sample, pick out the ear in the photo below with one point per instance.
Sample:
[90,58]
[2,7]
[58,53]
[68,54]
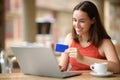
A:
[93,20]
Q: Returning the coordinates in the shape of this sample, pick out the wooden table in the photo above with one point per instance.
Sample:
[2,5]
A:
[84,76]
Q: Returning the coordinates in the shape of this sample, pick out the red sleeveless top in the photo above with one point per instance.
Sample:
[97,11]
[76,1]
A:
[90,51]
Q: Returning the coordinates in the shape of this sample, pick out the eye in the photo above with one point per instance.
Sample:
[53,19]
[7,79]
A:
[74,20]
[82,21]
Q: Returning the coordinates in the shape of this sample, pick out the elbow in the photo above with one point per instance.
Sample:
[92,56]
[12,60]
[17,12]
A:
[117,69]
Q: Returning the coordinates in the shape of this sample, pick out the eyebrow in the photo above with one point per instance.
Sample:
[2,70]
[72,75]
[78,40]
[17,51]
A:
[79,19]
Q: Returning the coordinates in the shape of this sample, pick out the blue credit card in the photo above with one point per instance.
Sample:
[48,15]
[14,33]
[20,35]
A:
[61,47]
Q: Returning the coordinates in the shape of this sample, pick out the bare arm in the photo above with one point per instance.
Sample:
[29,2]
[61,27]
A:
[111,55]
[64,60]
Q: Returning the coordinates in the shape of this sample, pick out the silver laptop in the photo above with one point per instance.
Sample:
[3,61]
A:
[39,61]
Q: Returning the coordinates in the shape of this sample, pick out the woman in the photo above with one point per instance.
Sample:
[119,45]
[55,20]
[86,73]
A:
[88,43]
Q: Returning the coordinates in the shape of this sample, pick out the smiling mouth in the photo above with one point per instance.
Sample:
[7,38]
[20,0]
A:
[78,30]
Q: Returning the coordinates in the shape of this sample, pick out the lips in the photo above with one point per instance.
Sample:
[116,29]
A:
[78,30]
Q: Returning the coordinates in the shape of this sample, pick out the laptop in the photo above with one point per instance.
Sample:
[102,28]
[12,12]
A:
[39,61]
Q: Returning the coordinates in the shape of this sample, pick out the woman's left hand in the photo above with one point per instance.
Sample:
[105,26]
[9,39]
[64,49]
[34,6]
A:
[74,53]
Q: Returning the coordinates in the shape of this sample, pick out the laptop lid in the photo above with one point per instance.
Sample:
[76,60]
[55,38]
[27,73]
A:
[38,61]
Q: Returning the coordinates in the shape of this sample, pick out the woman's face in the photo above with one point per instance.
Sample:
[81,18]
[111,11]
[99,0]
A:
[81,22]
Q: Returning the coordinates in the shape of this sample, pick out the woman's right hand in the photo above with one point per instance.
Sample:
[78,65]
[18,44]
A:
[62,68]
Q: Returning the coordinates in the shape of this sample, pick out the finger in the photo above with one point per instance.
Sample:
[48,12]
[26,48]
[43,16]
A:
[73,49]
[71,54]
[62,69]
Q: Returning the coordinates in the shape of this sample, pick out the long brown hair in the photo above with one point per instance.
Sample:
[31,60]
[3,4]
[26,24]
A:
[97,31]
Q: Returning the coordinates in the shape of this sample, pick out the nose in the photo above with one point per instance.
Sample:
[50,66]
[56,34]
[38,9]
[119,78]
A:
[77,24]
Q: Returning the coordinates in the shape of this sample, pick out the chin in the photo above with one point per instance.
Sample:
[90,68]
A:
[79,34]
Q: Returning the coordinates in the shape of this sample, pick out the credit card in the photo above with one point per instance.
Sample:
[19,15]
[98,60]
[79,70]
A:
[61,47]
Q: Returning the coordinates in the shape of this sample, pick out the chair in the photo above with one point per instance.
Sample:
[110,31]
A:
[2,62]
[6,62]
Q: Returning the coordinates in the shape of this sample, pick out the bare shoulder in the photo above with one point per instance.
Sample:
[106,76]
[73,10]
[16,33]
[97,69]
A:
[68,39]
[108,46]
[107,42]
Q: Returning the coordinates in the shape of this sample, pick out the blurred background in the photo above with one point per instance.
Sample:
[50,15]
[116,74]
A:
[47,22]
